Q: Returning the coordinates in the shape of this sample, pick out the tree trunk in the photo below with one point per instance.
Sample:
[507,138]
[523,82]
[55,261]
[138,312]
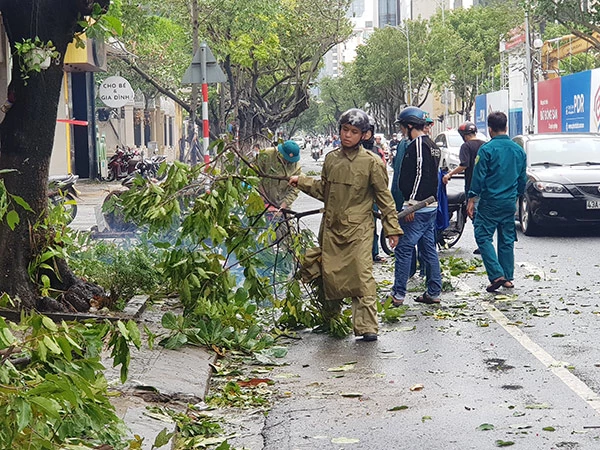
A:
[27,133]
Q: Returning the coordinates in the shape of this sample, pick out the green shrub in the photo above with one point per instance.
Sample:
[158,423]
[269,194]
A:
[121,270]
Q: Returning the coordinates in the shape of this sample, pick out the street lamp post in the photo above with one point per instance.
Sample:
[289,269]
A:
[405,33]
[529,67]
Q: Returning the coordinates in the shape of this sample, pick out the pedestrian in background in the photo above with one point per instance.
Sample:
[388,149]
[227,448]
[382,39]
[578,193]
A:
[428,126]
[499,178]
[352,179]
[392,145]
[254,150]
[380,148]
[418,181]
[467,154]
[369,144]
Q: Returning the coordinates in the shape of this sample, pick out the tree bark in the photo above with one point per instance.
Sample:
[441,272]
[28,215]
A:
[27,133]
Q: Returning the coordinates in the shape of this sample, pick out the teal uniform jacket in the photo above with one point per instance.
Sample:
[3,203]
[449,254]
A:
[396,192]
[499,175]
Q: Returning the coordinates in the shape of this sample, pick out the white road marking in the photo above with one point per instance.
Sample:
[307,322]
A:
[556,367]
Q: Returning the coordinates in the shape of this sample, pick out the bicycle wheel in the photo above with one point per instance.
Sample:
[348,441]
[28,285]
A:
[450,236]
[384,244]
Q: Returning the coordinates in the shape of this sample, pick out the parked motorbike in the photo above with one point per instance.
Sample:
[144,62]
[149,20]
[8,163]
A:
[62,191]
[316,154]
[148,167]
[457,211]
[448,237]
[122,163]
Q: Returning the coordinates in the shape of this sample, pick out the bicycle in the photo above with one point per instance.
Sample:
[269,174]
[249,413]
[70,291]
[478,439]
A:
[446,238]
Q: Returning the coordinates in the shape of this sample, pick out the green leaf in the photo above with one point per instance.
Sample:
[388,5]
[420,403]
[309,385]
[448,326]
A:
[398,408]
[52,345]
[163,438]
[22,203]
[170,321]
[50,406]
[23,414]
[123,329]
[549,429]
[134,333]
[485,427]
[114,24]
[351,394]
[12,219]
[501,443]
[49,323]
[6,337]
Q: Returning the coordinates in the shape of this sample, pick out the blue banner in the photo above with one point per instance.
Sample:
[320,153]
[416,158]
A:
[575,101]
[515,122]
[481,113]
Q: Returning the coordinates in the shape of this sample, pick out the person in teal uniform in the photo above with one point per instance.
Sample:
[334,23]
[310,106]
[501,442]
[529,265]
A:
[499,178]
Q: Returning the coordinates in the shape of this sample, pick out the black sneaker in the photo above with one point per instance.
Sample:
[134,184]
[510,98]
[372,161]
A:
[476,252]
[369,337]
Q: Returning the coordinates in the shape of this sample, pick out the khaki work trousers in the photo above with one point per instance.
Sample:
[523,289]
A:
[364,313]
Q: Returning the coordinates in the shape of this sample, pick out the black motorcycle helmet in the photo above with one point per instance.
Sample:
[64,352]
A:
[368,143]
[355,117]
[412,116]
[467,128]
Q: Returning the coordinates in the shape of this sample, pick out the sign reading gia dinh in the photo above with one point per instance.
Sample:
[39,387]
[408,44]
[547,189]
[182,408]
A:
[116,92]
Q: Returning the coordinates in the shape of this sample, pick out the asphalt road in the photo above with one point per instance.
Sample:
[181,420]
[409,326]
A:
[479,372]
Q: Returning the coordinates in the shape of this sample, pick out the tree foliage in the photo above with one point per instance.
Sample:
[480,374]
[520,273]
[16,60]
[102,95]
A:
[53,393]
[271,52]
[581,18]
[458,51]
[381,70]
[468,44]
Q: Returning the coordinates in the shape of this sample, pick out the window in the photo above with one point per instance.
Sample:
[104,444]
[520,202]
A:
[357,8]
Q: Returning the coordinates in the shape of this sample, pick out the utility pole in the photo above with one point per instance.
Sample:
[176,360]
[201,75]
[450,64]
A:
[194,98]
[529,71]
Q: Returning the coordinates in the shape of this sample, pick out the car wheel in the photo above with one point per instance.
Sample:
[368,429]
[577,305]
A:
[528,226]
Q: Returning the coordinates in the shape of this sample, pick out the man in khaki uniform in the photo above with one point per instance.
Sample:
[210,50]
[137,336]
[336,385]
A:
[352,180]
[279,161]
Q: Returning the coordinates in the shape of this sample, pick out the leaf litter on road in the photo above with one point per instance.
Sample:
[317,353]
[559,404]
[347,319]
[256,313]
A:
[344,440]
[343,368]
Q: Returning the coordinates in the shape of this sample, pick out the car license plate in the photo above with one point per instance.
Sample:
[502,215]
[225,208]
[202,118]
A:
[592,204]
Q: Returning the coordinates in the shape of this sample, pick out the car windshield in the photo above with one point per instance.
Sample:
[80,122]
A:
[564,150]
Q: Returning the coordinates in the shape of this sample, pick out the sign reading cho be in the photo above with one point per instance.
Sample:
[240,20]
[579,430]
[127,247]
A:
[116,92]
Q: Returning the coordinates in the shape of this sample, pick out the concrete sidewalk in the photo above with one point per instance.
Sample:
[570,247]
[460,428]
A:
[156,376]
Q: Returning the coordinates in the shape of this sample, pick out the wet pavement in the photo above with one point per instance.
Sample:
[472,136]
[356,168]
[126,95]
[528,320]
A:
[479,371]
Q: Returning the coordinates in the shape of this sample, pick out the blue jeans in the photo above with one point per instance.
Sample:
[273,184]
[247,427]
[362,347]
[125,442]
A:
[420,231]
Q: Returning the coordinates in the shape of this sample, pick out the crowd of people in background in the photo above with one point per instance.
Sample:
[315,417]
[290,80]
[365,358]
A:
[354,186]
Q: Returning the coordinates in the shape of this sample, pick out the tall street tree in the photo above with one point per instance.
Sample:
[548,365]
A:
[390,78]
[580,17]
[26,140]
[271,52]
[467,41]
